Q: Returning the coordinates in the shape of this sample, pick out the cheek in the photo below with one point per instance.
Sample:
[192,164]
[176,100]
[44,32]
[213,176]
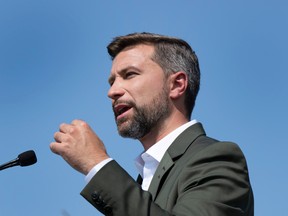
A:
[144,88]
[146,95]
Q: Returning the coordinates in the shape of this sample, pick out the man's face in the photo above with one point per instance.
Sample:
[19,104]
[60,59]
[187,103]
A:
[139,92]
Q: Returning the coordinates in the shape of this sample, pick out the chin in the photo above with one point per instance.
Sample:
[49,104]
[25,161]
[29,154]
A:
[123,124]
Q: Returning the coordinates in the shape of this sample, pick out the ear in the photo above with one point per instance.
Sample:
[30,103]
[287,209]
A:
[178,84]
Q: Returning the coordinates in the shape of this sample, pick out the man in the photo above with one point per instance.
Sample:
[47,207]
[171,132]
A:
[154,82]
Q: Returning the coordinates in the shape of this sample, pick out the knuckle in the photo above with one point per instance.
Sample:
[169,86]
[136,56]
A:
[72,130]
[79,122]
[84,124]
[76,121]
[62,125]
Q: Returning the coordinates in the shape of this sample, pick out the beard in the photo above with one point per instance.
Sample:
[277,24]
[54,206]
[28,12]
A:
[145,118]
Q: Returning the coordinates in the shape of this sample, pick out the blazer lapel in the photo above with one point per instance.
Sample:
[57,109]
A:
[165,165]
[177,148]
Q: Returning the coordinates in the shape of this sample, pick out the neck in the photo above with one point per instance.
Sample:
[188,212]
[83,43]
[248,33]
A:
[162,129]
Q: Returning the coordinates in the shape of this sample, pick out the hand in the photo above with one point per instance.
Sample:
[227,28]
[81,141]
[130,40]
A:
[79,146]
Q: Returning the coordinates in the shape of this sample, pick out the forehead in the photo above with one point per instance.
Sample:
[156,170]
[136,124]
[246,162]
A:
[132,56]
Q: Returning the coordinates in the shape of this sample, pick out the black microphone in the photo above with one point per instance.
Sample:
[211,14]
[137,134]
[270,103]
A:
[24,159]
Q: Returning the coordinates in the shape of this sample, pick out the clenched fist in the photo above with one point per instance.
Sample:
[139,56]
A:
[79,146]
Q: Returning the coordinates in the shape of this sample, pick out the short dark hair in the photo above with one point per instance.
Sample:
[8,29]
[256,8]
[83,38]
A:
[172,55]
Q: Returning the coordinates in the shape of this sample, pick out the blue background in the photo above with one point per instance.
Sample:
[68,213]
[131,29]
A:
[54,68]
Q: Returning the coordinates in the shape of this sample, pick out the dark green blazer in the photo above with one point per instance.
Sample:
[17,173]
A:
[198,176]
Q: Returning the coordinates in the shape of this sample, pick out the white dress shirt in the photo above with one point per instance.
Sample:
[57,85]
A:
[147,162]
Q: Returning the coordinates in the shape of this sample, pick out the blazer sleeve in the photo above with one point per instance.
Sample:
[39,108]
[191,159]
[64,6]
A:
[212,182]
[114,192]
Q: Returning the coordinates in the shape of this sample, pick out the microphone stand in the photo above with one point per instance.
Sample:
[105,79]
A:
[12,163]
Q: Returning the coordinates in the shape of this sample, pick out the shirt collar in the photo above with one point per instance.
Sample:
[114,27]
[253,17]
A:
[158,150]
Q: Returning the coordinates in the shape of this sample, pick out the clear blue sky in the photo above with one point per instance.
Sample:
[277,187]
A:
[54,68]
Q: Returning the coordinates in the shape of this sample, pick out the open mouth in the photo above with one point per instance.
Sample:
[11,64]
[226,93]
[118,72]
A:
[120,109]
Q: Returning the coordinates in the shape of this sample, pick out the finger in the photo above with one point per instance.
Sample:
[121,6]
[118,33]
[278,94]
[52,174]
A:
[54,147]
[61,137]
[57,136]
[65,128]
[77,122]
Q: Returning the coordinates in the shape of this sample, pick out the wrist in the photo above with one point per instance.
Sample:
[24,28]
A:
[96,168]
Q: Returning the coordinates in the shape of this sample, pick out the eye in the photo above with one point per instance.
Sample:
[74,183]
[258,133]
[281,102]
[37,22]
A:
[111,81]
[130,74]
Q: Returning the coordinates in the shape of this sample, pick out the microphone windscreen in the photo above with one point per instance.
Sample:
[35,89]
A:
[27,158]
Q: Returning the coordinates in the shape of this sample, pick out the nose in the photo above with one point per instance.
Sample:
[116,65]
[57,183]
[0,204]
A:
[116,90]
